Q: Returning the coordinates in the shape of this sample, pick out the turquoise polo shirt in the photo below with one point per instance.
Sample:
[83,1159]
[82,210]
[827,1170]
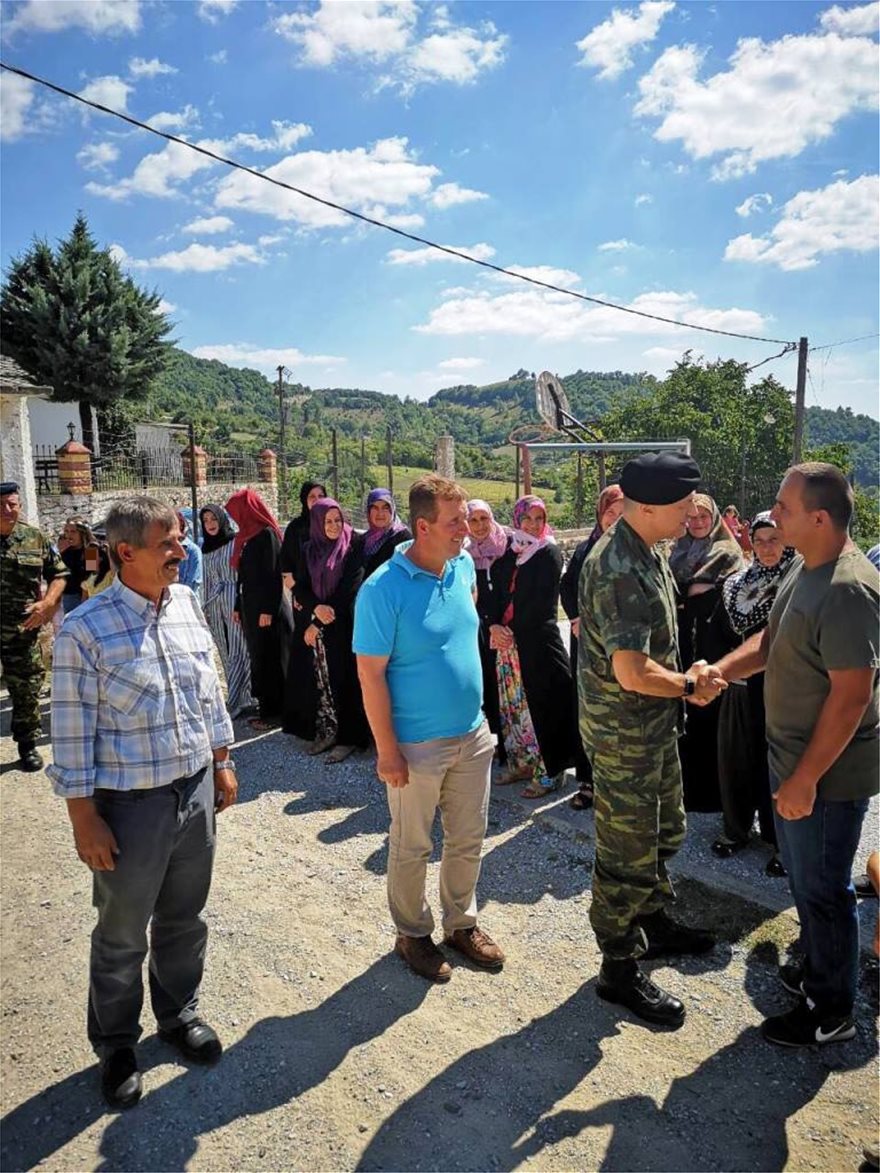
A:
[427,626]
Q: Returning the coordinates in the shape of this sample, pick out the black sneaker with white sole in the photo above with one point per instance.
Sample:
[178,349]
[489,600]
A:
[792,977]
[806,1026]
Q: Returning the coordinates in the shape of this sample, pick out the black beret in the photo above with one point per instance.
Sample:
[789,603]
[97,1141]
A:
[659,478]
[8,487]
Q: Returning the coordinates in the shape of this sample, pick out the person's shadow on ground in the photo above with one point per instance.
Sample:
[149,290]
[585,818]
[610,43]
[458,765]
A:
[277,1060]
[43,741]
[707,1120]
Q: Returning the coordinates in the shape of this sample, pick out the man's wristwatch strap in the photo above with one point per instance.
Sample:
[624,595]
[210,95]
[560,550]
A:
[225,764]
[690,686]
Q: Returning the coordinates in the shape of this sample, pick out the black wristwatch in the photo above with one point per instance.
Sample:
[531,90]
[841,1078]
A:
[690,686]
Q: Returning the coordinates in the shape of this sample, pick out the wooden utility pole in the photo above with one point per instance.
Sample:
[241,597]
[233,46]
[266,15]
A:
[192,482]
[335,459]
[282,441]
[516,474]
[579,491]
[800,396]
[363,465]
[603,475]
[389,462]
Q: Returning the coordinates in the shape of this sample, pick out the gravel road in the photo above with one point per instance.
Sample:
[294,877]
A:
[338,1058]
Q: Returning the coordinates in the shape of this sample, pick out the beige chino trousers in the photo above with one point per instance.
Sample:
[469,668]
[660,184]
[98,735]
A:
[452,773]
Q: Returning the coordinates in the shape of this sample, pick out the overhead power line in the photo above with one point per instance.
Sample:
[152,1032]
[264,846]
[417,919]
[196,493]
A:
[218,158]
[845,342]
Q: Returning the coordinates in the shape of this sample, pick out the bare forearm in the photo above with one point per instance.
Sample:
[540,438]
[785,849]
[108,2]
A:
[832,733]
[377,705]
[651,679]
[54,592]
[746,660]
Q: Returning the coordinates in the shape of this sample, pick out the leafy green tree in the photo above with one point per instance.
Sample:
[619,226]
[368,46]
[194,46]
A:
[75,321]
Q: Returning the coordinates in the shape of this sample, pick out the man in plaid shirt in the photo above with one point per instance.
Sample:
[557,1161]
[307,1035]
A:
[140,739]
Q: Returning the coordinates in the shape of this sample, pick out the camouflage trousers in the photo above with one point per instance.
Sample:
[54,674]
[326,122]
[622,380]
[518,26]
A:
[640,825]
[24,675]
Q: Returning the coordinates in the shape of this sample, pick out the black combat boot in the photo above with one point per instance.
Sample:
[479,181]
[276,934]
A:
[28,759]
[623,982]
[668,938]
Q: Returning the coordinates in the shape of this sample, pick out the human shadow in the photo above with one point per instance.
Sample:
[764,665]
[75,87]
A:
[42,741]
[731,1112]
[277,1060]
[483,1102]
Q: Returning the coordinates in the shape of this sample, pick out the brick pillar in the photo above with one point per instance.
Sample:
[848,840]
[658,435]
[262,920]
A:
[74,469]
[201,478]
[267,462]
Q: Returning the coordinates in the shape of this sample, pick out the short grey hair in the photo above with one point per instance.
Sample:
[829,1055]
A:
[129,520]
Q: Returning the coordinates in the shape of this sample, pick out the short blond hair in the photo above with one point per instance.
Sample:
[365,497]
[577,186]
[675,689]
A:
[427,492]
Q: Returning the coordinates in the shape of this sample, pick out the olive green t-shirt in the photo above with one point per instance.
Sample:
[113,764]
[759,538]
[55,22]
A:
[824,620]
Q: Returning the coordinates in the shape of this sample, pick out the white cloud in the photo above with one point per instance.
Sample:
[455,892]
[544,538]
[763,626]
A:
[140,67]
[555,317]
[642,199]
[165,307]
[208,226]
[285,136]
[16,97]
[109,91]
[385,32]
[195,258]
[609,46]
[156,174]
[616,246]
[759,202]
[460,364]
[775,99]
[262,241]
[840,217]
[663,353]
[221,57]
[95,16]
[851,22]
[446,195]
[265,359]
[171,120]
[96,156]
[214,10]
[546,273]
[385,173]
[427,256]
[405,220]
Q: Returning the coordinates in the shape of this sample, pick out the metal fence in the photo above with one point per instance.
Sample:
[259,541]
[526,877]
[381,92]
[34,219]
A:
[149,468]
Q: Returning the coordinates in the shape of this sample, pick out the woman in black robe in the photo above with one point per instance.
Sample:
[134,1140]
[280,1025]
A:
[385,530]
[534,674]
[700,561]
[299,690]
[260,604]
[488,542]
[327,579]
[608,508]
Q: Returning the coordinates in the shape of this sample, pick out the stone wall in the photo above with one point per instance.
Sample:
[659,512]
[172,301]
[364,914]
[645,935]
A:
[56,508]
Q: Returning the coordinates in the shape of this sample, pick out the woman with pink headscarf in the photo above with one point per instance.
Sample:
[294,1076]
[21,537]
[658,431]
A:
[488,542]
[534,674]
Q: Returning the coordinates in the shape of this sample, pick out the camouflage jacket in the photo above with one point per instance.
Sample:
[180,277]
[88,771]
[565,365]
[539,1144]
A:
[626,602]
[26,557]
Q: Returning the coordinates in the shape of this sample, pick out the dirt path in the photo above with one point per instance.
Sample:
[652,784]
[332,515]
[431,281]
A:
[337,1058]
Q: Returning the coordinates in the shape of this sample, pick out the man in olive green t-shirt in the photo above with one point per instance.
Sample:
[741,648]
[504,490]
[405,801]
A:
[821,652]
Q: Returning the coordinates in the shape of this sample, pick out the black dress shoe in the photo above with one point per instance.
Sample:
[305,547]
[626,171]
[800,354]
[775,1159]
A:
[29,760]
[196,1040]
[120,1078]
[725,848]
[667,937]
[624,983]
[775,867]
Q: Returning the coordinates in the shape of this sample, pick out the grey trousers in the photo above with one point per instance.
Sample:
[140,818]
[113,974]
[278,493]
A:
[163,871]
[451,773]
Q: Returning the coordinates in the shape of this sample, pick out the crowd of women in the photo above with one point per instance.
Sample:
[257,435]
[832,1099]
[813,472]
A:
[280,606]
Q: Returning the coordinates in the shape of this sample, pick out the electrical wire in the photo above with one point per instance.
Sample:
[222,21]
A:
[787,349]
[217,158]
[845,342]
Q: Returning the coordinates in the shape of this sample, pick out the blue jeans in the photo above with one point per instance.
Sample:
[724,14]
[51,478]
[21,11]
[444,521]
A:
[818,854]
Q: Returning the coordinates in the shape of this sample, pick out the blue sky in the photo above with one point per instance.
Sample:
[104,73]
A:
[715,163]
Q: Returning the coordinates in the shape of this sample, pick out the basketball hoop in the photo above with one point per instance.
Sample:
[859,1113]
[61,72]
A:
[551,400]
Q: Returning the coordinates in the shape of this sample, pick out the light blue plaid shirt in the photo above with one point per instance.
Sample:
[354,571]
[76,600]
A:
[136,701]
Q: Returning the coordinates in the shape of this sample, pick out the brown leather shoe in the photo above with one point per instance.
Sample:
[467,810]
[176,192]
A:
[423,957]
[477,947]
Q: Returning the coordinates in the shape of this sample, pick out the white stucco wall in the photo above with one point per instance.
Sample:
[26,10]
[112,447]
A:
[15,451]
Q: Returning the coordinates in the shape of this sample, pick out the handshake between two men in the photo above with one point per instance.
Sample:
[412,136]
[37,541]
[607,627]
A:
[708,681]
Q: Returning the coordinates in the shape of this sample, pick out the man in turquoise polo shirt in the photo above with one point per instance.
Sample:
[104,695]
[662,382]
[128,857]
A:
[415,636]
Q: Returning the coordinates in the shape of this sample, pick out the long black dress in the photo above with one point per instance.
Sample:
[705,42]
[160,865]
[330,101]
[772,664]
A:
[703,634]
[352,727]
[533,588]
[568,597]
[384,551]
[259,592]
[486,609]
[299,692]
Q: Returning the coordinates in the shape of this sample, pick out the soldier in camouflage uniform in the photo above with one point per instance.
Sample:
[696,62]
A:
[630,690]
[27,558]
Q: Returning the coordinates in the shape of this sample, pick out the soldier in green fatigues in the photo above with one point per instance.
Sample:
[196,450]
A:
[630,690]
[26,558]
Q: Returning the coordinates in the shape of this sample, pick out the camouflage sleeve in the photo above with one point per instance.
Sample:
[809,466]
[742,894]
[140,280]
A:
[620,610]
[53,566]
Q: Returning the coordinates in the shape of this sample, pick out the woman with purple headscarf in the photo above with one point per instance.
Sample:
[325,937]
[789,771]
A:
[385,531]
[327,579]
[534,674]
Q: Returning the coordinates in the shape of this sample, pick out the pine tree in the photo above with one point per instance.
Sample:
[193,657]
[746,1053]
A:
[75,321]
